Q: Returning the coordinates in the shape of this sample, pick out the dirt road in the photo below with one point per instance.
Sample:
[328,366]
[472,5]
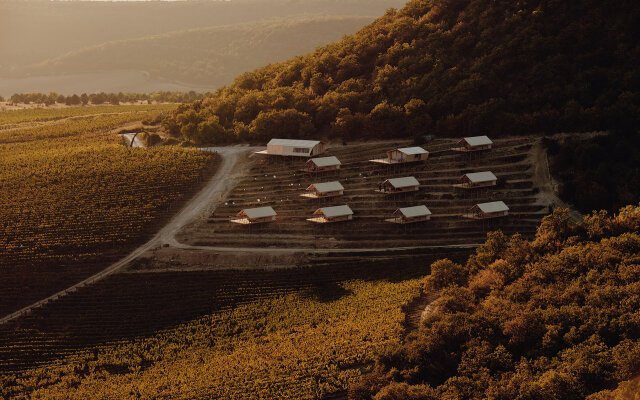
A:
[205,201]
[289,250]
[542,180]
[132,140]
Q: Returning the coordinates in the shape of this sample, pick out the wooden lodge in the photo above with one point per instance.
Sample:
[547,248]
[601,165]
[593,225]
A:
[399,185]
[322,164]
[403,155]
[409,215]
[495,209]
[332,214]
[477,180]
[293,148]
[251,216]
[323,190]
[474,143]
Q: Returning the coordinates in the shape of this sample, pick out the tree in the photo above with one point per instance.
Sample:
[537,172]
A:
[554,230]
[387,120]
[418,119]
[211,132]
[402,391]
[446,273]
[286,123]
[346,125]
[73,100]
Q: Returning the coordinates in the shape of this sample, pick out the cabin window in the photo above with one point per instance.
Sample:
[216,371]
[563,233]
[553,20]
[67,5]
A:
[300,150]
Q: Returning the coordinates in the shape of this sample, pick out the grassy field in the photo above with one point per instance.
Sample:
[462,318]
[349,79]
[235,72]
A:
[279,184]
[291,334]
[74,199]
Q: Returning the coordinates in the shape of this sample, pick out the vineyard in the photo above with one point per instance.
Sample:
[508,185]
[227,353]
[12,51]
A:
[191,323]
[12,119]
[279,184]
[296,334]
[75,199]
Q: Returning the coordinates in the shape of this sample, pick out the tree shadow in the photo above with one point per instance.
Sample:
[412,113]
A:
[326,292]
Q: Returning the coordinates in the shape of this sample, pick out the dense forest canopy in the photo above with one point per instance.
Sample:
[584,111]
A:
[553,318]
[449,67]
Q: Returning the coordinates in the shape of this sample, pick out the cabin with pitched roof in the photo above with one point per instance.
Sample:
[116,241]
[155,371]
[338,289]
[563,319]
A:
[474,143]
[403,155]
[399,185]
[323,190]
[494,209]
[293,148]
[332,214]
[409,215]
[322,164]
[250,216]
[477,180]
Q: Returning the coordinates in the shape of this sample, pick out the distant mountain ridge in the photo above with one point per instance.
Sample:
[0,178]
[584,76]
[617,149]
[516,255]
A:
[34,30]
[211,56]
[451,67]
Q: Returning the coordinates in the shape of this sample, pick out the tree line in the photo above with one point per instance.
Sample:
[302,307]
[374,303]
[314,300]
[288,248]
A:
[105,98]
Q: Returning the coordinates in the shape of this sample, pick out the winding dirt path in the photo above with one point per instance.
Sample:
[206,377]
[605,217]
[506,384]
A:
[543,181]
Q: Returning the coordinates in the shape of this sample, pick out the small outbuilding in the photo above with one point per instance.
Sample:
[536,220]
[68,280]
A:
[332,214]
[488,210]
[250,216]
[399,185]
[325,189]
[477,180]
[474,143]
[322,164]
[410,215]
[403,155]
[293,148]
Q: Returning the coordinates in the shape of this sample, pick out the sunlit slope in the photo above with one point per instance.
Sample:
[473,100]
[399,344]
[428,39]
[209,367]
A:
[34,30]
[209,56]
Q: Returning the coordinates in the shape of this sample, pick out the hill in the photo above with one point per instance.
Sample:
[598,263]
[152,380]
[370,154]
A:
[552,318]
[449,67]
[34,30]
[210,57]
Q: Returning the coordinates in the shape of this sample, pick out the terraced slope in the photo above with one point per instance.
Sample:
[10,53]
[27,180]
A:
[279,184]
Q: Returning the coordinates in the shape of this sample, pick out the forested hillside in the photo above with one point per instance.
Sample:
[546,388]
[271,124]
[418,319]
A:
[211,56]
[554,318]
[449,67]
